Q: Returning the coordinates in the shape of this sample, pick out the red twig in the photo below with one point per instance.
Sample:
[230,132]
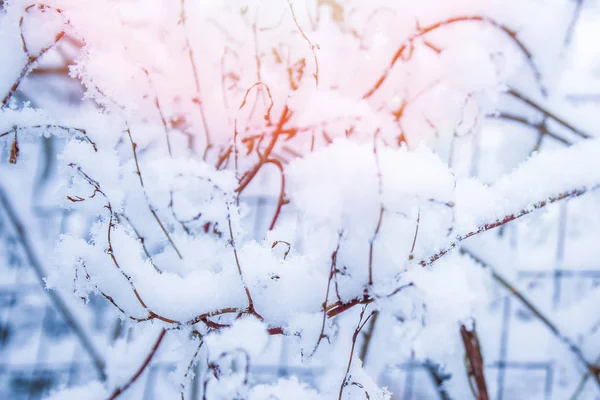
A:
[408,45]
[139,372]
[281,199]
[332,272]
[474,361]
[30,59]
[361,324]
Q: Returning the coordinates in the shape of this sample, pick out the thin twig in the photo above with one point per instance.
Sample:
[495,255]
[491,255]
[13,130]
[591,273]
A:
[30,59]
[281,199]
[140,370]
[409,43]
[332,272]
[576,350]
[540,127]
[368,338]
[160,112]
[359,327]
[198,98]
[547,113]
[312,46]
[499,222]
[152,210]
[381,207]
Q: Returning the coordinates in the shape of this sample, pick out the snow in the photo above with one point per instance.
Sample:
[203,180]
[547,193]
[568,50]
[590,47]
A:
[381,124]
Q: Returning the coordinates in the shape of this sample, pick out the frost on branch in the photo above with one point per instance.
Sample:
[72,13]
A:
[366,123]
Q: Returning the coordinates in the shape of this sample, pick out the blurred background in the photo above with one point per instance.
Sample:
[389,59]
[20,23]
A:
[41,351]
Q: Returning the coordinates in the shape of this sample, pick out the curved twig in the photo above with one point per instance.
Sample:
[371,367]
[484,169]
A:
[140,370]
[30,59]
[408,45]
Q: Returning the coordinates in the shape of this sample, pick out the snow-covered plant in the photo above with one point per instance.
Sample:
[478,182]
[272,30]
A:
[379,130]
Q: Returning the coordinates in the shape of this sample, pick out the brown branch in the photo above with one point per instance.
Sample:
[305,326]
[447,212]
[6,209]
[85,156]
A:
[140,370]
[548,113]
[281,199]
[109,250]
[152,210]
[312,46]
[275,243]
[267,116]
[499,222]
[160,112]
[286,114]
[198,98]
[251,309]
[30,59]
[191,366]
[110,299]
[474,361]
[14,150]
[51,126]
[412,248]
[540,126]
[381,208]
[332,272]
[368,338]
[409,44]
[576,350]
[142,241]
[359,327]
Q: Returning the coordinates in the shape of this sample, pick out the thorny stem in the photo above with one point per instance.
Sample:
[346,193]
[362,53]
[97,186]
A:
[54,296]
[341,307]
[140,370]
[191,366]
[499,222]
